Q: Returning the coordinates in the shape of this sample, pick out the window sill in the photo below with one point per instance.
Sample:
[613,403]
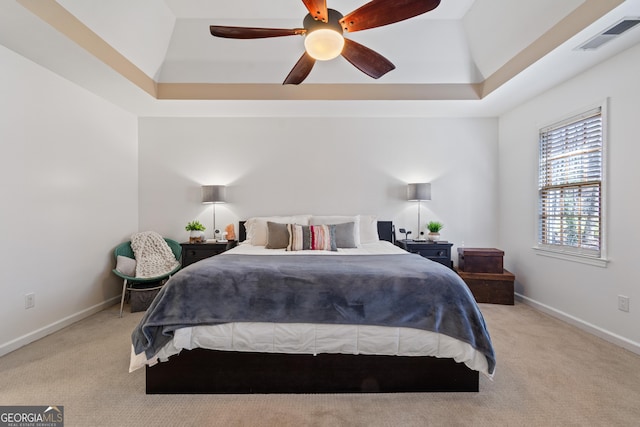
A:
[568,256]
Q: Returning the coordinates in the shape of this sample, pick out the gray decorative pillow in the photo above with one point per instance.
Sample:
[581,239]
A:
[345,237]
[126,265]
[277,235]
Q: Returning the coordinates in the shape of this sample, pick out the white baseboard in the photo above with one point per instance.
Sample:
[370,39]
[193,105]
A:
[581,324]
[54,327]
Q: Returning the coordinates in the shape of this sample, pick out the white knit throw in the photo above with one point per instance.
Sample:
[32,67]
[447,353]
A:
[153,255]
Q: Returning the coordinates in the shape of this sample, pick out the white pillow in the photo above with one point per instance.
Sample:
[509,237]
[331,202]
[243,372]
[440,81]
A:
[368,228]
[339,219]
[126,265]
[257,226]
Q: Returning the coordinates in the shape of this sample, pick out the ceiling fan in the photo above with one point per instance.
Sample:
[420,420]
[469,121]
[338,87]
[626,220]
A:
[323,29]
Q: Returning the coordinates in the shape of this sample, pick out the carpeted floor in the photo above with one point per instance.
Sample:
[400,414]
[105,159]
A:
[548,374]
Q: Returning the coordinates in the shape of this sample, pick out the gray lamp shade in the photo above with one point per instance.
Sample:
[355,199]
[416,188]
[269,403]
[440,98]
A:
[214,194]
[419,191]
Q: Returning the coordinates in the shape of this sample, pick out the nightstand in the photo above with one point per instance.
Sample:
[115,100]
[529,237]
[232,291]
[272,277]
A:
[193,252]
[435,251]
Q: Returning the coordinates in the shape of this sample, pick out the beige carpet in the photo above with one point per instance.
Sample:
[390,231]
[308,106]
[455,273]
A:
[548,374]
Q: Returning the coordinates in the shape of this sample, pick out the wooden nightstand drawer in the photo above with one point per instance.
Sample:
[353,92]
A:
[430,252]
[194,252]
[438,251]
[198,254]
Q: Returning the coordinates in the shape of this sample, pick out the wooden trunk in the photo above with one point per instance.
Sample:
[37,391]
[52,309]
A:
[495,288]
[480,260]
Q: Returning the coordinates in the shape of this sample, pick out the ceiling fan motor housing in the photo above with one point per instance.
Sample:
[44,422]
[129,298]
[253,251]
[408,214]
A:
[311,24]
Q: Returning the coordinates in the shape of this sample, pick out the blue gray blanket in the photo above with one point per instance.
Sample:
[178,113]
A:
[402,290]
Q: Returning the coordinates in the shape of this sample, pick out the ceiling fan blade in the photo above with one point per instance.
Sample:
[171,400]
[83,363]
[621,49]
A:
[253,33]
[377,13]
[301,70]
[317,9]
[366,60]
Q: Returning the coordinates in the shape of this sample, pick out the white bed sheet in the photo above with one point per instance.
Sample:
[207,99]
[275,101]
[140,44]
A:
[305,338]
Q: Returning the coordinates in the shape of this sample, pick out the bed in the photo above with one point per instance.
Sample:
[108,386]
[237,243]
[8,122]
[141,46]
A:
[367,318]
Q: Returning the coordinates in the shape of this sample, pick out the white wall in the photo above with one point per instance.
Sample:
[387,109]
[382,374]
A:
[68,185]
[320,166]
[579,293]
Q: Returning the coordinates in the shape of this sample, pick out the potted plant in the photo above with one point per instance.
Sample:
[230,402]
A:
[196,231]
[434,228]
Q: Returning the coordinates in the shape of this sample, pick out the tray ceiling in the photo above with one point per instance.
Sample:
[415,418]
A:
[462,50]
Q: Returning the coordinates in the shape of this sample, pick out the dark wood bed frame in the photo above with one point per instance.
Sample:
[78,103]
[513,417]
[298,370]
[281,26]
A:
[202,371]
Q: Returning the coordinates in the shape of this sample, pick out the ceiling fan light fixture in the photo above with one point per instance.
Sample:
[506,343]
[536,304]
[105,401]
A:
[323,29]
[324,44]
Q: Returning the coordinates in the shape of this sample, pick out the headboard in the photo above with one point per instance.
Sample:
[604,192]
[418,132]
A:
[386,231]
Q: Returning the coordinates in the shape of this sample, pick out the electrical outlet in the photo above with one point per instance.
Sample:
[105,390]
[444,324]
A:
[29,300]
[623,303]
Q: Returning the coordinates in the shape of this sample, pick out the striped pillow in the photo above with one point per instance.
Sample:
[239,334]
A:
[312,237]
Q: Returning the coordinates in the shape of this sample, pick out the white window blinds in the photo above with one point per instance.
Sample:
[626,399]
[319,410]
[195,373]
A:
[570,184]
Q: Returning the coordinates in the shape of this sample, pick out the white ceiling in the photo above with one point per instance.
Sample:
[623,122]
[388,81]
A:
[460,43]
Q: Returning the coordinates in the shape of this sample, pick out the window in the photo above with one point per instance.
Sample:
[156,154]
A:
[570,186]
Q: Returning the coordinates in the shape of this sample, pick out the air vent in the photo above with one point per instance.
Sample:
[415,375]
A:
[609,34]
